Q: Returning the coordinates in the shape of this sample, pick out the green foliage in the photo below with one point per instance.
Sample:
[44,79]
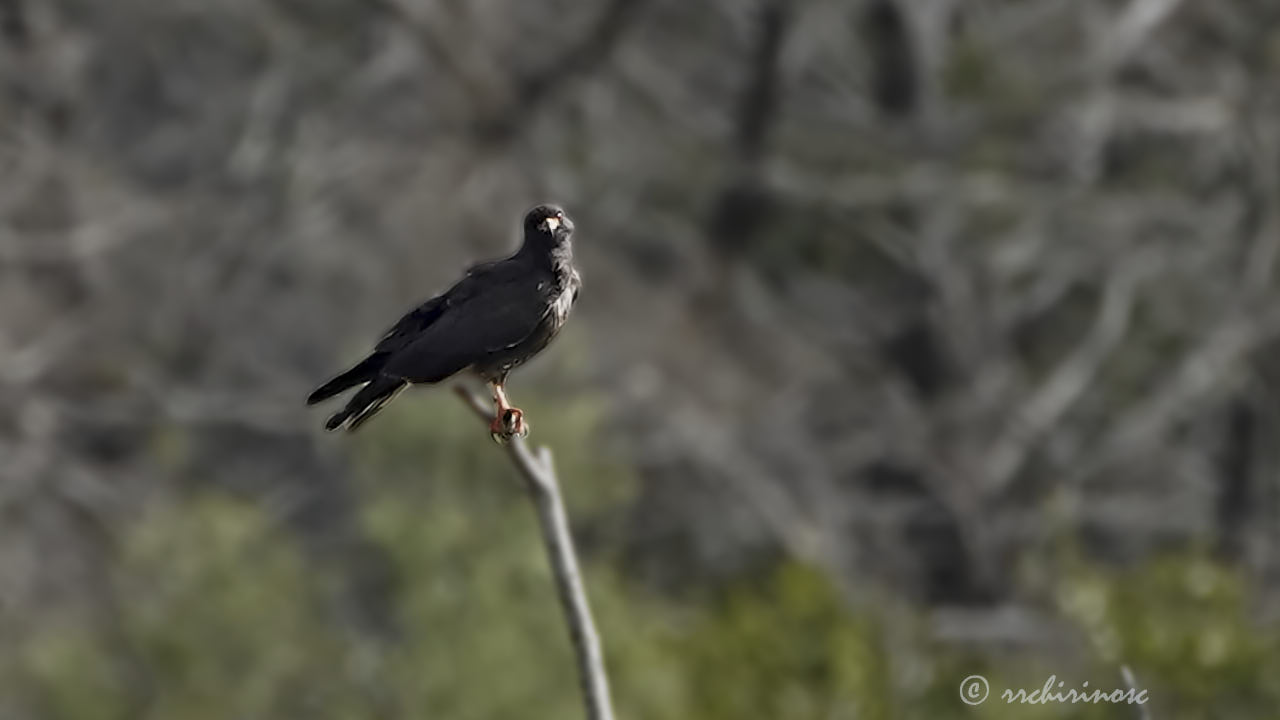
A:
[213,616]
[790,650]
[1184,623]
[217,613]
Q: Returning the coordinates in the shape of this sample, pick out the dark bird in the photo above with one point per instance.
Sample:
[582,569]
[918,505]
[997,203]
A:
[496,317]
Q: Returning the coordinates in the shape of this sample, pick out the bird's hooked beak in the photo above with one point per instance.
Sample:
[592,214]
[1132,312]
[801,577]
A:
[557,222]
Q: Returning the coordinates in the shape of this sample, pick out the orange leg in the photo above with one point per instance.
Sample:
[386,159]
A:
[507,420]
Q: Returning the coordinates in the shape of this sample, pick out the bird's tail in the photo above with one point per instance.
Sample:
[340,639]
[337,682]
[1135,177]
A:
[363,372]
[366,403]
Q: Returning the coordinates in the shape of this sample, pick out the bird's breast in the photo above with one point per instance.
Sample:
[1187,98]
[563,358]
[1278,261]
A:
[562,303]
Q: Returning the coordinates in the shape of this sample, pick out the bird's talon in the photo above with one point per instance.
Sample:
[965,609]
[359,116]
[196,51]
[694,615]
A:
[508,424]
[513,422]
[497,429]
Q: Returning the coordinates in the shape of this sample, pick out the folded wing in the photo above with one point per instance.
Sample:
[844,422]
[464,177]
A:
[487,312]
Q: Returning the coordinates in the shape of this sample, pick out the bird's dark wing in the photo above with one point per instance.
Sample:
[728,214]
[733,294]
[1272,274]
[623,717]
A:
[416,321]
[404,332]
[494,307]
[412,324]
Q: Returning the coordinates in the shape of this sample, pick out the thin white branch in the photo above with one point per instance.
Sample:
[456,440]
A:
[1143,712]
[540,480]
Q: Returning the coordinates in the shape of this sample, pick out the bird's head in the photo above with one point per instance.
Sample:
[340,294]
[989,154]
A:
[548,224]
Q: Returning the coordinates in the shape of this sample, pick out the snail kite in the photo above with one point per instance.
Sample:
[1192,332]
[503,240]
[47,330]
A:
[497,316]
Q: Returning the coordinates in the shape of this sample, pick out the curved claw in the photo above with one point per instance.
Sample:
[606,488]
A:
[510,423]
